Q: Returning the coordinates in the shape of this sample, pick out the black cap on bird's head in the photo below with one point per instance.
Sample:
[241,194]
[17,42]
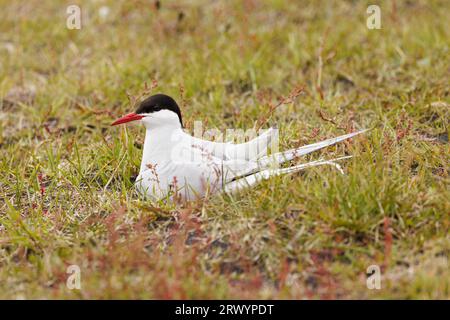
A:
[159,102]
[150,105]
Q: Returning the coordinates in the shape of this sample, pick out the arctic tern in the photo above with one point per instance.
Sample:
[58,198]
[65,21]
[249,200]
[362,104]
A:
[175,163]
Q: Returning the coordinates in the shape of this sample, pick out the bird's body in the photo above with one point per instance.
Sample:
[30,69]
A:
[175,163]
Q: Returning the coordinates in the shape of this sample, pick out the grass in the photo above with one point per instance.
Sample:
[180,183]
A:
[66,183]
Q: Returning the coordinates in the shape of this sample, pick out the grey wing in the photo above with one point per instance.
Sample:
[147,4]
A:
[250,150]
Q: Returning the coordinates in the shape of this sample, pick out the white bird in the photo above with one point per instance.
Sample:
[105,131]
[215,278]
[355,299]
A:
[176,164]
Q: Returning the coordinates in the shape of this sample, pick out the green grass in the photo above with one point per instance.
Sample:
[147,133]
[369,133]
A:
[66,190]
